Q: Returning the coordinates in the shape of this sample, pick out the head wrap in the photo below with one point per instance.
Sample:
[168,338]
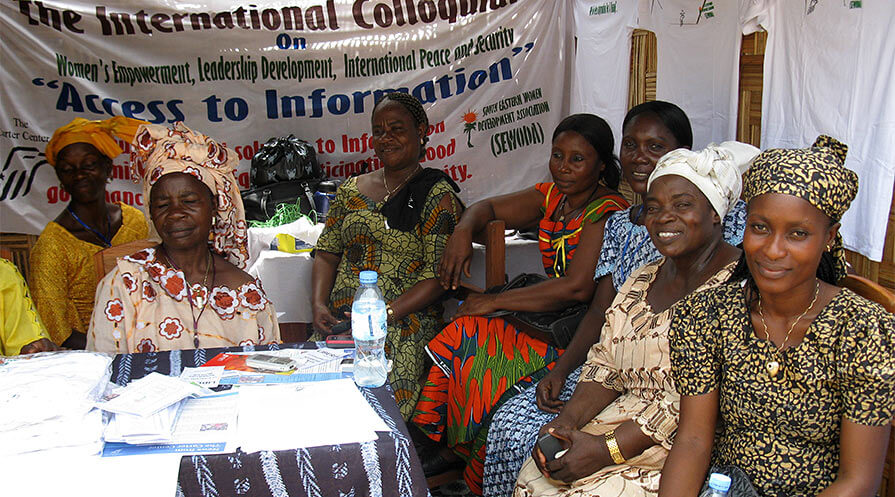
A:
[817,175]
[100,134]
[716,171]
[159,151]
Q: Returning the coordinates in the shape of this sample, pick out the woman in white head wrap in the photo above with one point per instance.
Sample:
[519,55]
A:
[619,425]
[716,170]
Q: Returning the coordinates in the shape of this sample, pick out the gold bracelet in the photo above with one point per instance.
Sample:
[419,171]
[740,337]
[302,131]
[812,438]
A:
[614,452]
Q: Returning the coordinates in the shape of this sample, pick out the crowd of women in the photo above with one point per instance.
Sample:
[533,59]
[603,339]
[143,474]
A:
[715,337]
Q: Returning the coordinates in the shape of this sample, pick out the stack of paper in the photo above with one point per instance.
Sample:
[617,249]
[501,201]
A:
[146,410]
[148,395]
[46,402]
[203,425]
[133,429]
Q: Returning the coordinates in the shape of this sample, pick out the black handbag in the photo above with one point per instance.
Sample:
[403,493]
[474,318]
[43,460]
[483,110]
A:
[554,327]
[284,171]
[285,159]
[261,202]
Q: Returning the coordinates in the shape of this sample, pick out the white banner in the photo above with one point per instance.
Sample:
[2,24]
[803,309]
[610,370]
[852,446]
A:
[492,76]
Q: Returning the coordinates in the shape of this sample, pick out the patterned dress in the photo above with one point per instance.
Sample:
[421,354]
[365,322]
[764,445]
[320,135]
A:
[63,276]
[142,306]
[358,232]
[632,358]
[784,433]
[482,362]
[626,247]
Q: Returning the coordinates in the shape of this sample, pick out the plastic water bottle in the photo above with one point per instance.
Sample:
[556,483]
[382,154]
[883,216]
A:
[368,328]
[719,485]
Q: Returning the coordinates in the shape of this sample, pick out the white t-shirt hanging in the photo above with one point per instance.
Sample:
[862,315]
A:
[698,43]
[830,68]
[603,58]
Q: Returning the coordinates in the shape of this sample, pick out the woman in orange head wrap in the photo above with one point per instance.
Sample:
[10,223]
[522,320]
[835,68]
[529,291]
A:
[63,278]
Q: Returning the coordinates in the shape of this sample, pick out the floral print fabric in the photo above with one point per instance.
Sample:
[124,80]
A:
[159,151]
[143,306]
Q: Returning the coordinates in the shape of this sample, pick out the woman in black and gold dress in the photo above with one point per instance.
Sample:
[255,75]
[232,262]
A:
[799,372]
[396,221]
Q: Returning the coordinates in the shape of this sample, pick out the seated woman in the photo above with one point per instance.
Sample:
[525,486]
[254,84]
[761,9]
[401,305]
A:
[480,362]
[189,291]
[649,131]
[395,221]
[63,276]
[21,331]
[787,381]
[621,419]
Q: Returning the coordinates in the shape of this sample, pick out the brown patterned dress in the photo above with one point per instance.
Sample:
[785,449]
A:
[784,433]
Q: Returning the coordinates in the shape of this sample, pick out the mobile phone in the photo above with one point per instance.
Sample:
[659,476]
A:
[270,362]
[341,327]
[339,341]
[550,446]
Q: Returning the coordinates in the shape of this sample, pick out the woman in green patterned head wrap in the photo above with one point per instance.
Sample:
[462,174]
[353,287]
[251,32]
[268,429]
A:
[797,373]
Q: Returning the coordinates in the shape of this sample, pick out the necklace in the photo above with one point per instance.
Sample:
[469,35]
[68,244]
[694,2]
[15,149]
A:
[102,238]
[773,366]
[389,192]
[189,292]
[562,205]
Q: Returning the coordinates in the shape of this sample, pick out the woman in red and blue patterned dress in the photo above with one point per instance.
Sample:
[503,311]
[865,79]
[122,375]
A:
[481,362]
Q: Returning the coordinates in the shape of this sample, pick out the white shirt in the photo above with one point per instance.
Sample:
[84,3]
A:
[602,58]
[698,62]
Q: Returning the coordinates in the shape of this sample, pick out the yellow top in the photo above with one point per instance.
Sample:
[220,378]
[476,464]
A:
[19,322]
[63,275]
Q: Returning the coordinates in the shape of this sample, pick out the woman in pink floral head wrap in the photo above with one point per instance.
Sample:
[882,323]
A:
[190,290]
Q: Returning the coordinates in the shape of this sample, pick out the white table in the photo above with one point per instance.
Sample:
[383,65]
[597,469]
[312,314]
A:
[48,473]
[287,277]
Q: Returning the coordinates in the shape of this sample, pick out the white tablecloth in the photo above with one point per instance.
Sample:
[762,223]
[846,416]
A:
[286,278]
[49,473]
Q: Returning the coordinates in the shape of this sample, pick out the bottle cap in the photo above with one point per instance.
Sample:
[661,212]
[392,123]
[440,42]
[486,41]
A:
[368,277]
[719,481]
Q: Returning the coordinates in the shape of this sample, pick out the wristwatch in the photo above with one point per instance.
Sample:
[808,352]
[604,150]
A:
[390,313]
[614,452]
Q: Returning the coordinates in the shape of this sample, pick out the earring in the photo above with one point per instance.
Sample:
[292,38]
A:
[422,141]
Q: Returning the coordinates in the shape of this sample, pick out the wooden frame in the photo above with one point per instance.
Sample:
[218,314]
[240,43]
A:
[104,260]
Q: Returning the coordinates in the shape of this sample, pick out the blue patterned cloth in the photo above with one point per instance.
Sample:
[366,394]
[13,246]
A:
[382,467]
[514,431]
[627,246]
[515,426]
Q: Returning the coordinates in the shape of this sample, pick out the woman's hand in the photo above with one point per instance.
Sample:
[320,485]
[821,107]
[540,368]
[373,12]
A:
[42,345]
[477,304]
[586,455]
[536,454]
[456,258]
[323,319]
[548,390]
